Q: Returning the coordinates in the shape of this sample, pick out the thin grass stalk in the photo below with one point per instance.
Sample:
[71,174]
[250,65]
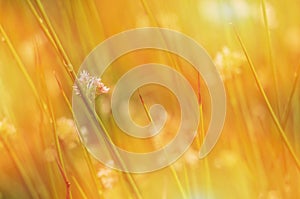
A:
[44,28]
[83,39]
[52,36]
[85,18]
[201,135]
[54,40]
[112,150]
[200,139]
[63,92]
[70,70]
[59,150]
[22,67]
[205,160]
[42,24]
[61,49]
[95,12]
[156,23]
[255,160]
[145,107]
[241,126]
[92,171]
[271,58]
[149,12]
[246,120]
[80,189]
[173,170]
[53,123]
[41,76]
[241,122]
[66,180]
[199,89]
[52,181]
[52,120]
[164,192]
[49,170]
[18,163]
[269,106]
[43,192]
[288,106]
[153,19]
[177,180]
[116,157]
[85,152]
[187,180]
[115,154]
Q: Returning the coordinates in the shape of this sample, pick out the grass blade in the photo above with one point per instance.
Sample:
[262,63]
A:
[271,58]
[269,106]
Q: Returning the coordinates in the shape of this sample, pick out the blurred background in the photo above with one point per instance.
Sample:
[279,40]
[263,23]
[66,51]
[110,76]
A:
[42,45]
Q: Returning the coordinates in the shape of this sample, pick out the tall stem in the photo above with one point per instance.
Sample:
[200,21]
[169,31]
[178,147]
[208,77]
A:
[269,106]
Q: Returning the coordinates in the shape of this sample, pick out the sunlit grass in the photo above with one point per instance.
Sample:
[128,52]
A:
[255,46]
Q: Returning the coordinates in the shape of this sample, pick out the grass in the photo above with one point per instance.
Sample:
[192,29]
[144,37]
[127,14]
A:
[42,46]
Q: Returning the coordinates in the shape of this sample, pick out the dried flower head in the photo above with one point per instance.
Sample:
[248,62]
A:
[90,85]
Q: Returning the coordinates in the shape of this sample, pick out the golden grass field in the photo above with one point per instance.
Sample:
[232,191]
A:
[255,46]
